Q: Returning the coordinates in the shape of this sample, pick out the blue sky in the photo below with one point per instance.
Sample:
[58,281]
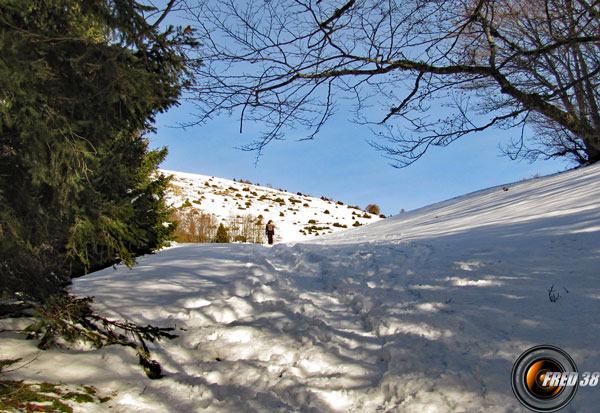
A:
[340,164]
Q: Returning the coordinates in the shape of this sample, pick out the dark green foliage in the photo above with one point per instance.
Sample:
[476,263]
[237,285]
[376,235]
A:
[222,236]
[20,396]
[7,362]
[27,397]
[43,397]
[80,84]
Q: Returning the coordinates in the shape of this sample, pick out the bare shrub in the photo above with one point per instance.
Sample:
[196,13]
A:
[373,209]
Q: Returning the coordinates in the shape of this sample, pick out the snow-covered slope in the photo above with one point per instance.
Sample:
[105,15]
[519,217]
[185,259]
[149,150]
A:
[554,205]
[424,312]
[297,217]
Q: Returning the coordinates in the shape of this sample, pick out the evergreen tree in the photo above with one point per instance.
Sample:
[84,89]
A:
[80,85]
[222,236]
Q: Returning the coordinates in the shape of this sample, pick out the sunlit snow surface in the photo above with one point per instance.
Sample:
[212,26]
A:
[297,217]
[423,312]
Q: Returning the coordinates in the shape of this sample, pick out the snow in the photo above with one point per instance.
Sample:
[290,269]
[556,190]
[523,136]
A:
[423,312]
[224,198]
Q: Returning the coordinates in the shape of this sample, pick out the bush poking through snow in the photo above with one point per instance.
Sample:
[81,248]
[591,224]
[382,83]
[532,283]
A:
[554,295]
[373,209]
[64,317]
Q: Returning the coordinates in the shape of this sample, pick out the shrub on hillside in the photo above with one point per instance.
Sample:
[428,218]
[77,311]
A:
[176,190]
[373,209]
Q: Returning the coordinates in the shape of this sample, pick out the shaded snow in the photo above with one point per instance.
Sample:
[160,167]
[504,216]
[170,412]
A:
[423,312]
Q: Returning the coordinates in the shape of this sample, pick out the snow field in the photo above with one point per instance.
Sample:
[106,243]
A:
[423,312]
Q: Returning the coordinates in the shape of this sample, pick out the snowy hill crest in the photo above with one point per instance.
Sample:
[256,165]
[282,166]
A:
[297,217]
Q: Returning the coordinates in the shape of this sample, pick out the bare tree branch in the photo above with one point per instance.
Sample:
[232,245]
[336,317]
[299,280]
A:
[532,65]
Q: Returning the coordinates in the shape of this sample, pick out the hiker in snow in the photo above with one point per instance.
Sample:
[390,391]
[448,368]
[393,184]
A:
[270,231]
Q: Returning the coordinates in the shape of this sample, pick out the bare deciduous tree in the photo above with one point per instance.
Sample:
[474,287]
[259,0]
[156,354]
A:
[246,228]
[194,226]
[440,69]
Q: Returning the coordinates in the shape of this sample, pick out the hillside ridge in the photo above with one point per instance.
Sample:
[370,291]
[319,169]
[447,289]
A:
[297,216]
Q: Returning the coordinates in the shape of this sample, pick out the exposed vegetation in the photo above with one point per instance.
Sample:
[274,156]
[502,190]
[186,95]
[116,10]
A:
[221,237]
[78,184]
[373,209]
[194,226]
[67,318]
